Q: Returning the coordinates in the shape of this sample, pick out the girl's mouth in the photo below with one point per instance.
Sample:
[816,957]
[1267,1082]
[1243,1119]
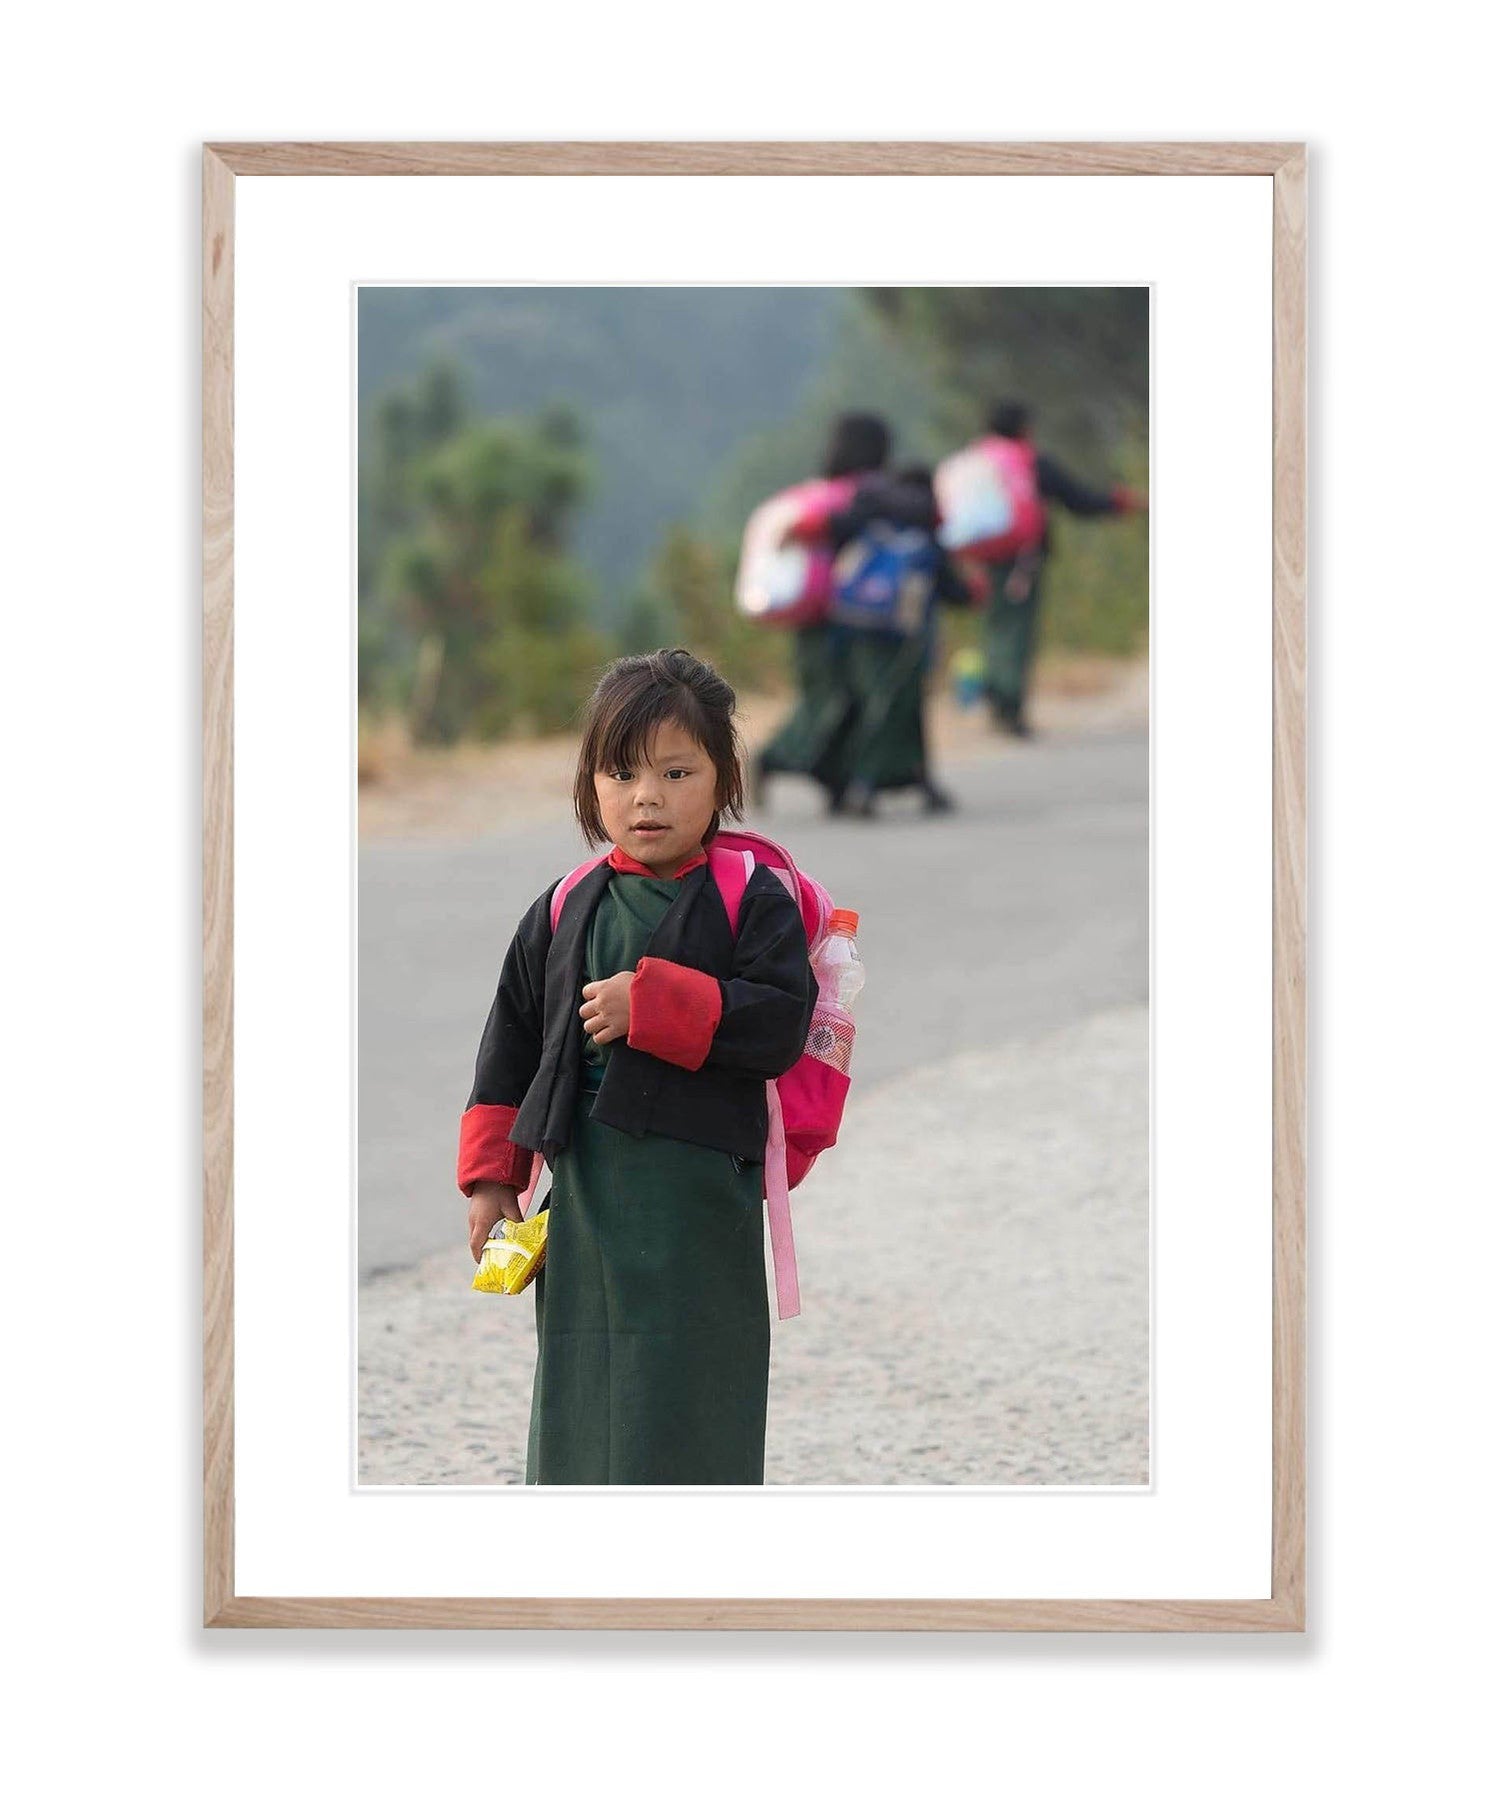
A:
[648,830]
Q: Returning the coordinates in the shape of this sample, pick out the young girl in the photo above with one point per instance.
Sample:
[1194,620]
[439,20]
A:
[632,1049]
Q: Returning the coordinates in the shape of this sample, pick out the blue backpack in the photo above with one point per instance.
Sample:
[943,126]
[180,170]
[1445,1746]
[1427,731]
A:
[884,580]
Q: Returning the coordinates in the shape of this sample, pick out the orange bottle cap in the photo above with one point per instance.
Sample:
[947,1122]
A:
[842,920]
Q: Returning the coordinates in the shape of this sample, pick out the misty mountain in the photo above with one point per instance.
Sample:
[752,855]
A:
[669,382]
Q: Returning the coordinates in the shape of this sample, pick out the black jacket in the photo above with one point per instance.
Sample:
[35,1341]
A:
[883,496]
[531,1053]
[1054,483]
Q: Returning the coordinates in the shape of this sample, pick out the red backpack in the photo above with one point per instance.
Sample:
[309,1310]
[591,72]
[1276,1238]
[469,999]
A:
[804,1105]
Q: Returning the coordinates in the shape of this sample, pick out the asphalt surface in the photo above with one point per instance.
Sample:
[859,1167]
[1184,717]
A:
[974,1254]
[1025,910]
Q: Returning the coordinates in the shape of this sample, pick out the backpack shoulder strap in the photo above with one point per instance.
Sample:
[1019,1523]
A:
[814,900]
[731,871]
[568,882]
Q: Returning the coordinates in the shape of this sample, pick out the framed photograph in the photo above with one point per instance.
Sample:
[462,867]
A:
[647,589]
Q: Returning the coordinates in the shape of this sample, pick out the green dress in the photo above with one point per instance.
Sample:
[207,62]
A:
[1009,638]
[885,746]
[652,1323]
[811,740]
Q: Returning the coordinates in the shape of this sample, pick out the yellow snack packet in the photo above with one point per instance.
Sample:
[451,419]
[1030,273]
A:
[513,1255]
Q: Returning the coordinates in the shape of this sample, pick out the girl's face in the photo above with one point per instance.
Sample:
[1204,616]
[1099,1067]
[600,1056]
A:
[658,811]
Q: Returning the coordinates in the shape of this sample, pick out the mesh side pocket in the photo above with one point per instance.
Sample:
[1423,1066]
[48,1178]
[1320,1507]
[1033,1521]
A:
[831,1039]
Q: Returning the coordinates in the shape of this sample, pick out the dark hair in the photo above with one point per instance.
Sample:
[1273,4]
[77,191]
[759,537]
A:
[860,442]
[1010,418]
[634,697]
[916,474]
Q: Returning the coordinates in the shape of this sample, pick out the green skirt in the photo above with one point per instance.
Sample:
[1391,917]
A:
[1009,639]
[652,1323]
[810,740]
[886,744]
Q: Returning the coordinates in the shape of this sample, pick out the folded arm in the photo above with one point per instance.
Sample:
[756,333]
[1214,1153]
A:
[757,1020]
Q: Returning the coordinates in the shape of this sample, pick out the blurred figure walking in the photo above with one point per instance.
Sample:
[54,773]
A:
[889,576]
[813,739]
[1032,478]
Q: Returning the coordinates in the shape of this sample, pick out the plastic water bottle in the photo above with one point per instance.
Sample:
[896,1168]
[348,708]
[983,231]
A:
[840,979]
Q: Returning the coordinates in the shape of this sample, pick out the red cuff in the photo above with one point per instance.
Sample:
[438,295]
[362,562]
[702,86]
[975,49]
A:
[674,1011]
[485,1152]
[1127,500]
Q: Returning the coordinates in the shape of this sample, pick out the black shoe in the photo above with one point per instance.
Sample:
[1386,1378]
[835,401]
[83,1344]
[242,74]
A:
[858,800]
[936,799]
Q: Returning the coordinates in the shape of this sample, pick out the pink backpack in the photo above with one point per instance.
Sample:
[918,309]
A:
[804,1105]
[991,506]
[785,568]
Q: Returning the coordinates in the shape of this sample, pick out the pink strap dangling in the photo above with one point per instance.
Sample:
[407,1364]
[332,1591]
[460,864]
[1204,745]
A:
[528,1198]
[778,1210]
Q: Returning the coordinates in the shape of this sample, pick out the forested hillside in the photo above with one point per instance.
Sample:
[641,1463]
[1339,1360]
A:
[669,381]
[549,476]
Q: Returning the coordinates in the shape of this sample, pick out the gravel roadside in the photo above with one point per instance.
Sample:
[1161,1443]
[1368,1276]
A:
[474,788]
[974,1265]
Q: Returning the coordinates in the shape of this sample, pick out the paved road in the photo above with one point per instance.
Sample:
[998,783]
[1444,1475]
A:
[1025,911]
[974,1255]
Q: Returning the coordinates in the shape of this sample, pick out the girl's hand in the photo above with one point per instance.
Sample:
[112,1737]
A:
[488,1204]
[606,1008]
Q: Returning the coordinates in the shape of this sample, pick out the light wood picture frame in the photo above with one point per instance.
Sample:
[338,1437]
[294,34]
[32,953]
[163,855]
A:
[1286,165]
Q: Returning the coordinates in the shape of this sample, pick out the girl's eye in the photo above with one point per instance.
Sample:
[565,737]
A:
[677,774]
[619,774]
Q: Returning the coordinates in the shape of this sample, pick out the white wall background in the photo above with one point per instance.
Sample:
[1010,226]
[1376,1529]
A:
[99,747]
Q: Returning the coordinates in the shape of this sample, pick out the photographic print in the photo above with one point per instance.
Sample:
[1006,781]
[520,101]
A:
[822,616]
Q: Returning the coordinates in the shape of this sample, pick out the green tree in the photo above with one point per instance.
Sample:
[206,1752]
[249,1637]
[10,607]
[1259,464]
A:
[1098,580]
[645,624]
[404,428]
[689,597]
[484,580]
[1079,355]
